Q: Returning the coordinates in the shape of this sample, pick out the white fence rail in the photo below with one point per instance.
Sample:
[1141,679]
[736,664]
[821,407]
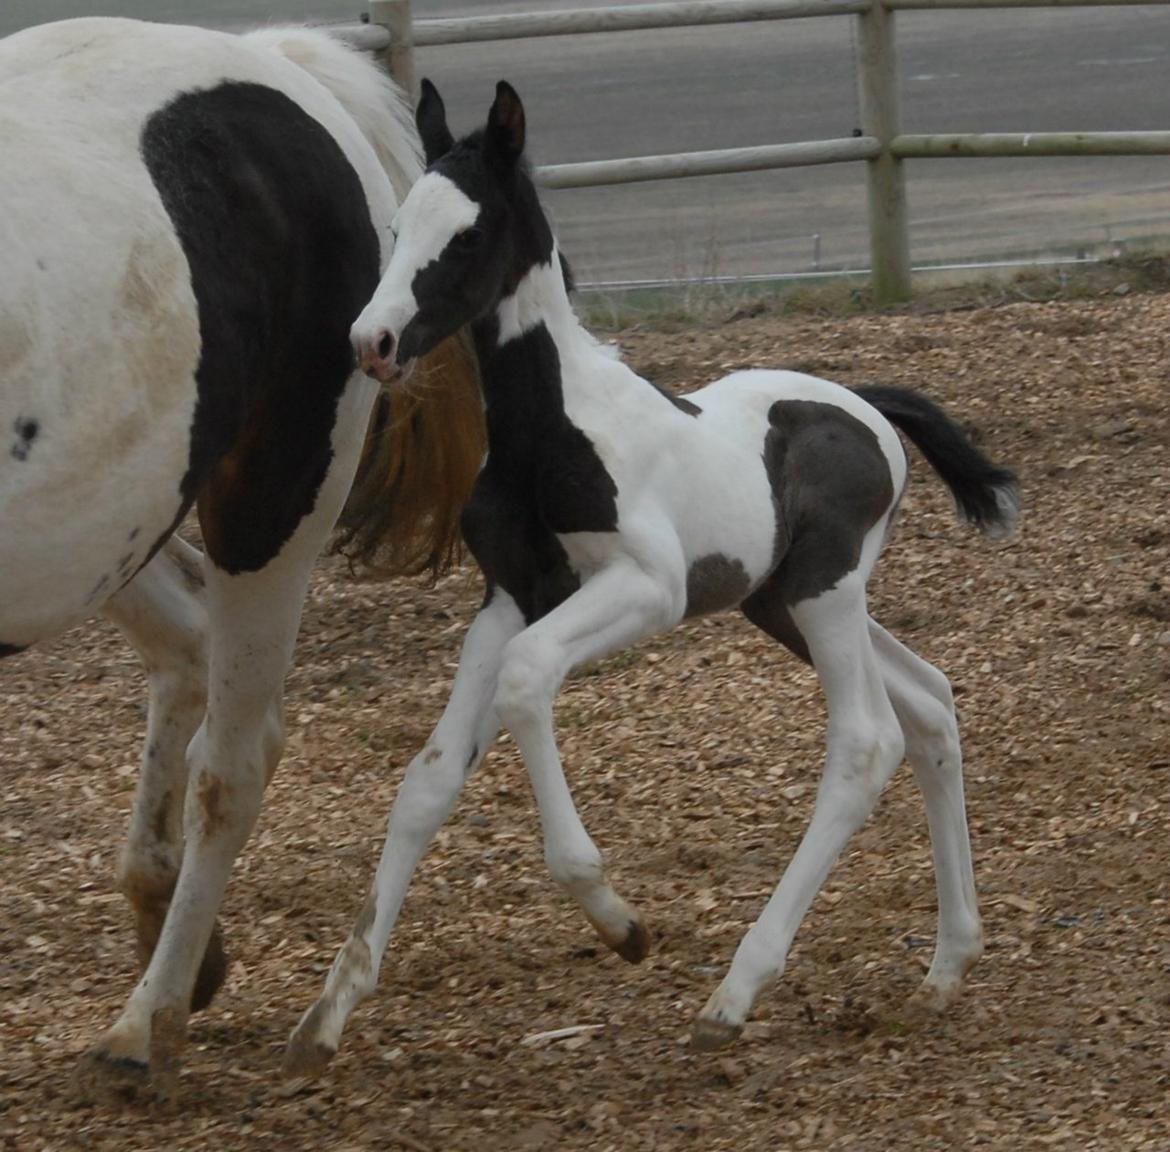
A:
[392,30]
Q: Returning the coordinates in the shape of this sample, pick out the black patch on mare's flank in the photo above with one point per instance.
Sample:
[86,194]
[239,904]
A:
[831,484]
[283,255]
[10,650]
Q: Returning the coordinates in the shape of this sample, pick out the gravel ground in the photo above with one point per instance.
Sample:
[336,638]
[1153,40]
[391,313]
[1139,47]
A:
[694,760]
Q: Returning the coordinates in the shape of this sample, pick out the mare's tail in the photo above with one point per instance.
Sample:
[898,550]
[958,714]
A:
[986,495]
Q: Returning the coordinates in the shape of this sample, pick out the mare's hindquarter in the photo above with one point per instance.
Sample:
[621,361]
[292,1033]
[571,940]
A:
[125,374]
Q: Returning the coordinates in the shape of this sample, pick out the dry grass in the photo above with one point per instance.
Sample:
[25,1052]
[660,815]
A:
[694,762]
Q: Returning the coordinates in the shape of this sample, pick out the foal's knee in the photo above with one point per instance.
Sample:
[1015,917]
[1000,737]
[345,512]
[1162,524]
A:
[932,742]
[864,759]
[527,681]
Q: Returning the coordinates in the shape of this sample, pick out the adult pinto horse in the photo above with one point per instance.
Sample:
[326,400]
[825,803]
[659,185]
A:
[190,221]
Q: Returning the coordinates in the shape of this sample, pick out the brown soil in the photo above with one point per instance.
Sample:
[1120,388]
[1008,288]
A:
[695,762]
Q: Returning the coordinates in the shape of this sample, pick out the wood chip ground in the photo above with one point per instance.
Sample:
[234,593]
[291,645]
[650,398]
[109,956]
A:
[695,760]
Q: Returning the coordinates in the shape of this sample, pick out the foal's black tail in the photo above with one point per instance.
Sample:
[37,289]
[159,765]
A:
[986,495]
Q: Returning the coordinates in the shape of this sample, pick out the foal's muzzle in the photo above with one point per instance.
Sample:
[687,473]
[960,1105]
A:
[380,357]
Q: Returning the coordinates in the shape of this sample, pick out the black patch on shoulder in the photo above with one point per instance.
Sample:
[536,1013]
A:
[535,451]
[24,431]
[715,582]
[542,478]
[283,255]
[9,650]
[830,484]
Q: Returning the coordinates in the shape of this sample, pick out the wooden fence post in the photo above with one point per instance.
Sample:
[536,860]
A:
[889,243]
[396,17]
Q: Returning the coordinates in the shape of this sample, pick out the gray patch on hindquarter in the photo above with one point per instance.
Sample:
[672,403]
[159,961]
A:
[715,581]
[830,485]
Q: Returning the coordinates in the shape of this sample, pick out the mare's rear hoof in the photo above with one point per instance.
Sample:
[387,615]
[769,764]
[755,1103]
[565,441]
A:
[101,1077]
[709,1035]
[212,972]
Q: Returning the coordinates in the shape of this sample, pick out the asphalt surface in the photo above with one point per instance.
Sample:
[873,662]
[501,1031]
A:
[627,94]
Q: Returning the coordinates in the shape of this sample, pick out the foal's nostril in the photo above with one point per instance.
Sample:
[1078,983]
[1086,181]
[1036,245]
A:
[384,345]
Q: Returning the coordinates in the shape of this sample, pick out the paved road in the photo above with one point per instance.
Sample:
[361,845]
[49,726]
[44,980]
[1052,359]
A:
[632,93]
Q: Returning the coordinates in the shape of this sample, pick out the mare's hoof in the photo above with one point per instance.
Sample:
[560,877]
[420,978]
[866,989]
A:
[634,947]
[709,1035]
[212,972]
[100,1077]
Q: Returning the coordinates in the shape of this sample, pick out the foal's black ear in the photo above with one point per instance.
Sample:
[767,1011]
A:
[505,126]
[431,118]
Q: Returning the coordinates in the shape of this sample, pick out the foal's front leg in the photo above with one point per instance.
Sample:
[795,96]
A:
[613,609]
[433,779]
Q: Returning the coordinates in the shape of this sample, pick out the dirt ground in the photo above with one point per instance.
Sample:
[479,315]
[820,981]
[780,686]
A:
[694,761]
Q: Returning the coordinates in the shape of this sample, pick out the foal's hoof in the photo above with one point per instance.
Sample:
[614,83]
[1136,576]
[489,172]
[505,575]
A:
[930,1001]
[307,1056]
[709,1035]
[631,942]
[634,947]
[212,972]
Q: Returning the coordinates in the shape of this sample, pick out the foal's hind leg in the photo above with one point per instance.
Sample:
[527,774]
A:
[162,614]
[921,696]
[864,747]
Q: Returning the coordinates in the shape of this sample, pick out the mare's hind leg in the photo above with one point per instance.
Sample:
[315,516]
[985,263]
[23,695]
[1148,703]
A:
[162,614]
[921,696]
[864,747]
[253,616]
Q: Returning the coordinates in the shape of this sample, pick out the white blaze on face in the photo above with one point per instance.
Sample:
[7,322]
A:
[434,211]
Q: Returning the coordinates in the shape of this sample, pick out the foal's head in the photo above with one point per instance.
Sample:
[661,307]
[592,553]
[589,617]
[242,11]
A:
[467,233]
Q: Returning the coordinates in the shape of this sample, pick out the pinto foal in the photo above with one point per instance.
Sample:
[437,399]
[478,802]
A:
[606,512]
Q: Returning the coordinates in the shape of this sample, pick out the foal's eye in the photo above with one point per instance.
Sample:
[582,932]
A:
[466,240]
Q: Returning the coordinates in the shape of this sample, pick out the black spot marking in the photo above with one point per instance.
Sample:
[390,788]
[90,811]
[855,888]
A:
[25,430]
[715,582]
[680,402]
[283,255]
[133,535]
[473,759]
[10,649]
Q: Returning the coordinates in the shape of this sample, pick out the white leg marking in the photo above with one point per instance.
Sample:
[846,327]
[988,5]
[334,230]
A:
[433,780]
[921,696]
[252,626]
[163,615]
[611,610]
[864,747]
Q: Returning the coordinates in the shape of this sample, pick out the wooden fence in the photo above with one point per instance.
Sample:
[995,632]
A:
[392,30]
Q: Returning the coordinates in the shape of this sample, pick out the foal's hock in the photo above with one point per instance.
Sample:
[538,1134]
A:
[606,512]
